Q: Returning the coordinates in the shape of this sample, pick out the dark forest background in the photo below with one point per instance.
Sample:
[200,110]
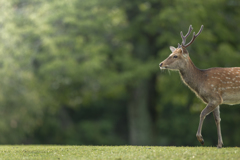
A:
[86,72]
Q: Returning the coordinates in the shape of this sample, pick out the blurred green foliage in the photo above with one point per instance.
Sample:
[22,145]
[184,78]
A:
[86,72]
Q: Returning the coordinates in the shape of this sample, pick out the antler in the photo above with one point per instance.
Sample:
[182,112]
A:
[185,37]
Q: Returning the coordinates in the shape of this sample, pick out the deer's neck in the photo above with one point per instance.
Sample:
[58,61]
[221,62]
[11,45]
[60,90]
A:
[191,76]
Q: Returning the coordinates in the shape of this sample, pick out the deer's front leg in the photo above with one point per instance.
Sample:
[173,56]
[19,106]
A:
[216,114]
[208,109]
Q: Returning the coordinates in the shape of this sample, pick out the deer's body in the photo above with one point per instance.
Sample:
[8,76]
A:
[222,82]
[225,82]
[215,86]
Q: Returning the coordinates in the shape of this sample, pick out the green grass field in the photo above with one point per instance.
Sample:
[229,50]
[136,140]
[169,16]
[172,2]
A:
[115,152]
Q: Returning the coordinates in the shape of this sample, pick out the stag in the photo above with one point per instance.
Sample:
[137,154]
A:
[214,86]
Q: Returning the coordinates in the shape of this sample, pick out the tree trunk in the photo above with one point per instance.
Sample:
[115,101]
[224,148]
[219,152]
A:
[142,102]
[140,123]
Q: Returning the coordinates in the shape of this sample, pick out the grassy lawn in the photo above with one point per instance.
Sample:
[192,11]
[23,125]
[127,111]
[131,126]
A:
[115,152]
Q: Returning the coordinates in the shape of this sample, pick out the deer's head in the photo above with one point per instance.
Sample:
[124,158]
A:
[179,56]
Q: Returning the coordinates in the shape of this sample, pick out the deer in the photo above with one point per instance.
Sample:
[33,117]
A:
[214,86]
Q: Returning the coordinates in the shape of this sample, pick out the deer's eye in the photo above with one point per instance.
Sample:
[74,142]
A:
[175,56]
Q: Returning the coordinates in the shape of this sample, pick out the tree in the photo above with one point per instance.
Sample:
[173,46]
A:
[86,72]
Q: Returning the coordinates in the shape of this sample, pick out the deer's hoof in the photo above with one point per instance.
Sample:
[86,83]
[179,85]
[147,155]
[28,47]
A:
[219,145]
[202,142]
[200,139]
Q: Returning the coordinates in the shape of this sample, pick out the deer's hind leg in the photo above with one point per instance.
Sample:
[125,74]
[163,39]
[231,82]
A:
[208,109]
[216,115]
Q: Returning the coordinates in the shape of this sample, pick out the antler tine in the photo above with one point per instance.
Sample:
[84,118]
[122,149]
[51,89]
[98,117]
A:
[179,46]
[185,37]
[193,38]
[200,30]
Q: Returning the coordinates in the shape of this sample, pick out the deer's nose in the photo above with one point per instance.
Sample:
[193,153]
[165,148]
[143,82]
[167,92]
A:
[160,64]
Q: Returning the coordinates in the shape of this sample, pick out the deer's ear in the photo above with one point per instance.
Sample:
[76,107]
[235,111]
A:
[172,48]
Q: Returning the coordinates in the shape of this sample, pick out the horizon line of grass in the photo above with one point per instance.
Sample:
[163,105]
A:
[115,152]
